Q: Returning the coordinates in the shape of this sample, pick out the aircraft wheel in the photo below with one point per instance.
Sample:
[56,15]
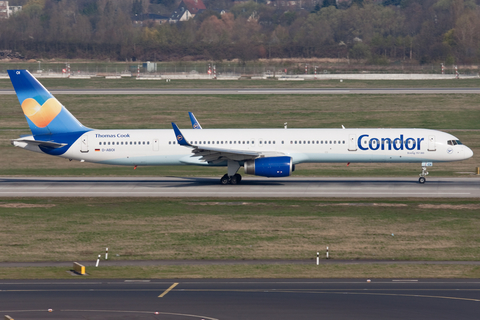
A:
[234,180]
[239,178]
[225,180]
[422,180]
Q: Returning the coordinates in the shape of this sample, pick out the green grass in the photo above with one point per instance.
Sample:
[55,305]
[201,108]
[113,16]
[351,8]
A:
[128,83]
[80,228]
[271,111]
[370,271]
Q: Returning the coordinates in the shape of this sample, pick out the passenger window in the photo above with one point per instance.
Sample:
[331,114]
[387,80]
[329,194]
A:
[273,142]
[148,142]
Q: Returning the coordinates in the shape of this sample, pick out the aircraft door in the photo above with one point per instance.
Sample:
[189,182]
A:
[155,144]
[352,142]
[431,143]
[84,143]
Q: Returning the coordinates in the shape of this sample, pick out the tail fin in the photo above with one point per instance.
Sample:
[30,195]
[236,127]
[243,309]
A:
[45,115]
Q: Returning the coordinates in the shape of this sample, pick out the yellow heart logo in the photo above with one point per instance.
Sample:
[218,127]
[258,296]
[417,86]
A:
[41,116]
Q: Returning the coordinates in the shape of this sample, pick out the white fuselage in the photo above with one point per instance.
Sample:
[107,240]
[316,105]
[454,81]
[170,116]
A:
[159,147]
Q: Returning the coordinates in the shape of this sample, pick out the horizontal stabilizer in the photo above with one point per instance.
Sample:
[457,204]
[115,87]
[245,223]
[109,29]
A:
[39,143]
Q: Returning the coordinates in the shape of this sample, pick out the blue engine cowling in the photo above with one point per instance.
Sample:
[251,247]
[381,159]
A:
[270,167]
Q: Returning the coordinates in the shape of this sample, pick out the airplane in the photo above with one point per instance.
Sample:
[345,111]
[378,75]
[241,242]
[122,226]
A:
[262,152]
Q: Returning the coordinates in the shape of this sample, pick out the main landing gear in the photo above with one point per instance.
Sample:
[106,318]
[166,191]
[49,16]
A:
[232,177]
[235,179]
[422,175]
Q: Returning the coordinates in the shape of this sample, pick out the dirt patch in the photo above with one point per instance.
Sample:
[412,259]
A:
[450,206]
[226,203]
[25,205]
[361,204]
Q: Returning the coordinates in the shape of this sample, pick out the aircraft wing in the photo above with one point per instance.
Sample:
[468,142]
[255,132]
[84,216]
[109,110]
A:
[217,155]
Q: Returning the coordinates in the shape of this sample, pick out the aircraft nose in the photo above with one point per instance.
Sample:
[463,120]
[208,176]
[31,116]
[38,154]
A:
[468,153]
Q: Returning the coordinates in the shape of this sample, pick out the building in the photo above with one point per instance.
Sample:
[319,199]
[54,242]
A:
[146,18]
[187,9]
[7,11]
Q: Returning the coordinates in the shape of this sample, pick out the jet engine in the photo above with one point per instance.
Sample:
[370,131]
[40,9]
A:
[270,166]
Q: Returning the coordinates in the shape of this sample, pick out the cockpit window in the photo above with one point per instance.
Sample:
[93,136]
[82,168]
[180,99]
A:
[454,142]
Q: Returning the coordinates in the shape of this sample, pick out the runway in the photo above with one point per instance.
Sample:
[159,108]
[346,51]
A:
[259,91]
[250,187]
[212,299]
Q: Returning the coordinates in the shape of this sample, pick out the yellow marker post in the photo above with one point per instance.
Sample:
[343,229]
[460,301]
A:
[78,268]
[168,290]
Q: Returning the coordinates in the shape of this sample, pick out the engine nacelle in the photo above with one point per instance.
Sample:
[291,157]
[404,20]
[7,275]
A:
[270,167]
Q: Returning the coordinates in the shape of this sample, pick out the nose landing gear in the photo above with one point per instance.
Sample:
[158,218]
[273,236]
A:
[424,173]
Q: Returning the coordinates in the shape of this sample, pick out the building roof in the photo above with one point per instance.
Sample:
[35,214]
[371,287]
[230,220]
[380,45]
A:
[193,5]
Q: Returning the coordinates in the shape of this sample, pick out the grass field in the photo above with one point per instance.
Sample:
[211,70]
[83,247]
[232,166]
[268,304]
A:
[373,271]
[457,114]
[80,228]
[102,83]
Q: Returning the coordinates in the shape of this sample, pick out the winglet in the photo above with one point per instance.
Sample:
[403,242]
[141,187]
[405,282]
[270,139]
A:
[180,138]
[195,123]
